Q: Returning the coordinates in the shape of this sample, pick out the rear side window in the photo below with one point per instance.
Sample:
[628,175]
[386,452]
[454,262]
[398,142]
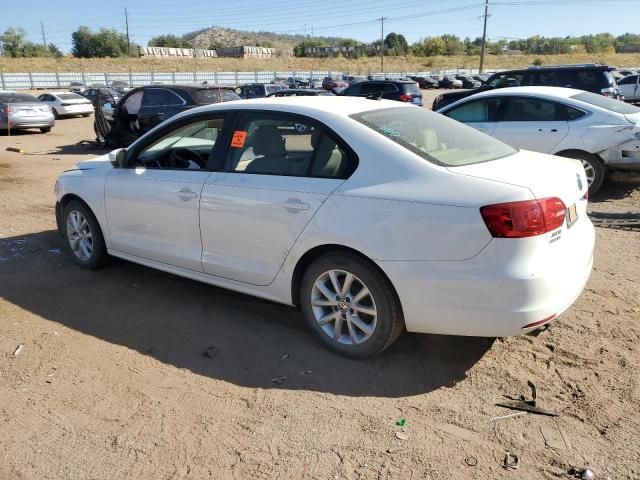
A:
[630,80]
[521,109]
[154,97]
[353,90]
[589,80]
[204,97]
[435,138]
[485,110]
[507,80]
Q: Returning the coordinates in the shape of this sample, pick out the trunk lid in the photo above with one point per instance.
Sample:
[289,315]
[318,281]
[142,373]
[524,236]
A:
[29,108]
[544,175]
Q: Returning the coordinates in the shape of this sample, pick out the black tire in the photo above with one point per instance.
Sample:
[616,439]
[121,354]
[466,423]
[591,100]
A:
[99,256]
[45,129]
[56,115]
[389,321]
[86,115]
[590,162]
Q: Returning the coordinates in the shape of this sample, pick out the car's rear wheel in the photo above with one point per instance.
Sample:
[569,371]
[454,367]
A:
[350,305]
[83,235]
[45,129]
[593,168]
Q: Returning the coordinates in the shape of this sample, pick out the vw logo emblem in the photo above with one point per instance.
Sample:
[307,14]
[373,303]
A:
[342,305]
[579,181]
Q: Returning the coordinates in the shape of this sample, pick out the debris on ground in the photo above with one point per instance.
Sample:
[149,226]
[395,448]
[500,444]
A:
[210,352]
[284,357]
[511,460]
[402,436]
[471,461]
[17,350]
[528,405]
[555,438]
[278,380]
[14,149]
[402,422]
[517,414]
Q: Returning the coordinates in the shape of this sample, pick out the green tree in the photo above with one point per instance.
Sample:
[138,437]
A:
[434,46]
[168,40]
[395,44]
[54,51]
[105,43]
[453,45]
[12,41]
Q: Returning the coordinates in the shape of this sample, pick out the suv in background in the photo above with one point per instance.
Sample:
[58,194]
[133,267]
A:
[400,90]
[592,77]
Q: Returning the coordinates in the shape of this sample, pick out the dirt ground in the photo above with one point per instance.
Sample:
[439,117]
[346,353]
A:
[111,381]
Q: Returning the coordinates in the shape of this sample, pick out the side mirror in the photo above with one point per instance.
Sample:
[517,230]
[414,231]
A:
[118,158]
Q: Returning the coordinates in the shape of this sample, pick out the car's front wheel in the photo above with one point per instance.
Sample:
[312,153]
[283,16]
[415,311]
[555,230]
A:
[83,236]
[350,305]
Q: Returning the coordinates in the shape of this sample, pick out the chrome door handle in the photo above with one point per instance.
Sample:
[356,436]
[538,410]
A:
[187,194]
[294,205]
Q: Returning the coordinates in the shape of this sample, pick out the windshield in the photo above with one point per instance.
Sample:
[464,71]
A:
[607,103]
[203,97]
[434,137]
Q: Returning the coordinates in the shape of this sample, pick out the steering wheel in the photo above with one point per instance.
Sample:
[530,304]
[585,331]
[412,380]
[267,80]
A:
[180,157]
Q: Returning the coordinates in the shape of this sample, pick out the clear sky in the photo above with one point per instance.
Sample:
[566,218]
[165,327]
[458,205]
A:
[355,18]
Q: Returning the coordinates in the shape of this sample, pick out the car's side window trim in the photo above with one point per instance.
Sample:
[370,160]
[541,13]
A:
[132,153]
[352,157]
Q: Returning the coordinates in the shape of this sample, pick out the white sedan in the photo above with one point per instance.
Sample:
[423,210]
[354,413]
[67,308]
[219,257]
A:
[67,104]
[376,218]
[601,132]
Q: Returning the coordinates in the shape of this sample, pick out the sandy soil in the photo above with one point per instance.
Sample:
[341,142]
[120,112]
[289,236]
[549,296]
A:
[111,381]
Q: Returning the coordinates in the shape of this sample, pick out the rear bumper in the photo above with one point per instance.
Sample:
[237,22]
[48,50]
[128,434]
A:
[75,110]
[18,124]
[501,291]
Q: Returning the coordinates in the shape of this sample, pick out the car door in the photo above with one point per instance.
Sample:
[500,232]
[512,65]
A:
[531,123]
[629,87]
[158,104]
[276,177]
[153,204]
[480,114]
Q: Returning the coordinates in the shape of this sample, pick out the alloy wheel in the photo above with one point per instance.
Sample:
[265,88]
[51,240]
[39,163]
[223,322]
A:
[344,307]
[79,236]
[590,171]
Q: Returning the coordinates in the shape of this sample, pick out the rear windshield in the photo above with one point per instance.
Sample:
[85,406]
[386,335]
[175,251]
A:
[70,96]
[410,87]
[607,103]
[214,95]
[434,137]
[17,98]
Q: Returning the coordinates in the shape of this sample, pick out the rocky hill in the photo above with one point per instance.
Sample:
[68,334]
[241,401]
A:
[226,37]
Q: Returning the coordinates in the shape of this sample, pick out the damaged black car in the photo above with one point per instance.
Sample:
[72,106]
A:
[119,122]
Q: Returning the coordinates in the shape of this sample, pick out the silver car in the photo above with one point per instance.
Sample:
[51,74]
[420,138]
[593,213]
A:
[19,111]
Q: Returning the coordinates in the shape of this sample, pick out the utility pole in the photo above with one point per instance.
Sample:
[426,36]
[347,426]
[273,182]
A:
[126,22]
[484,34]
[382,44]
[44,40]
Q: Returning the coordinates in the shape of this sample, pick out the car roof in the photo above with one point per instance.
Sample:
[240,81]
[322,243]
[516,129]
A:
[557,92]
[311,105]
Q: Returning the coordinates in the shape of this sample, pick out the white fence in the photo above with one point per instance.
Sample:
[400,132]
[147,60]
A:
[57,80]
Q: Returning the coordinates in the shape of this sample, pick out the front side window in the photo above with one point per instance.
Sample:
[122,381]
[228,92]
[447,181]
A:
[187,147]
[630,80]
[485,110]
[435,138]
[507,80]
[285,145]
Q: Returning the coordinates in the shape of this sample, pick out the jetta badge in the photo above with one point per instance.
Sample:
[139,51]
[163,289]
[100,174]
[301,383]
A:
[579,181]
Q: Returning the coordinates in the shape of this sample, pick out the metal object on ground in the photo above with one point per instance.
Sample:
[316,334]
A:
[471,461]
[555,438]
[511,460]
[528,405]
[623,221]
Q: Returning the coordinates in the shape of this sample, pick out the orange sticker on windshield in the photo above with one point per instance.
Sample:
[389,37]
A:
[238,139]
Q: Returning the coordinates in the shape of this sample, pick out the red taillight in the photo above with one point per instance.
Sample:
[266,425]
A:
[7,110]
[524,219]
[406,97]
